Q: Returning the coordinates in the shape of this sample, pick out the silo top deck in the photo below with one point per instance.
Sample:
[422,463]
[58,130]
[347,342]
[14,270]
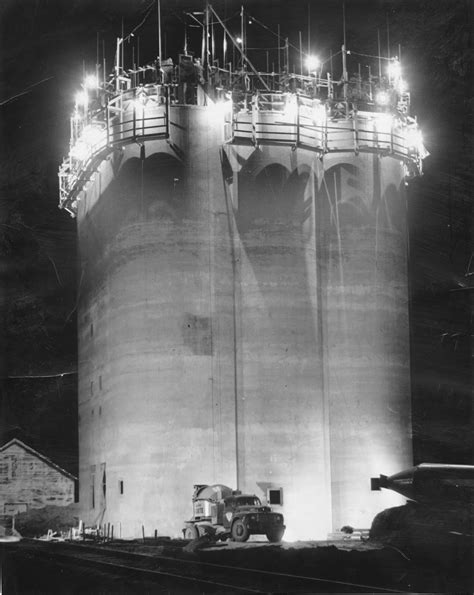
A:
[313,112]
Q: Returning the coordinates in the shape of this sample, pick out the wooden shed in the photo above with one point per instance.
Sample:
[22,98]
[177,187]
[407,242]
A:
[28,479]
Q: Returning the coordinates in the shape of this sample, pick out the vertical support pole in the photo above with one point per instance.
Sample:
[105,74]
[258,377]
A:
[242,33]
[380,58]
[117,65]
[134,73]
[301,53]
[159,27]
[356,134]
[254,118]
[297,121]
[104,64]
[279,65]
[224,48]
[325,136]
[391,136]
[134,113]
[344,71]
[97,65]
[107,121]
[309,31]
[167,112]
[206,45]
[388,38]
[344,55]
[213,45]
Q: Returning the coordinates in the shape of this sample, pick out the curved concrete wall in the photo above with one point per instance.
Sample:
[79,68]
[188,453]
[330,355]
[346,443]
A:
[155,355]
[362,240]
[243,320]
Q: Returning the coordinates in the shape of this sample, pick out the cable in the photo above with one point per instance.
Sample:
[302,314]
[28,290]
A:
[60,375]
[27,90]
[351,53]
[132,32]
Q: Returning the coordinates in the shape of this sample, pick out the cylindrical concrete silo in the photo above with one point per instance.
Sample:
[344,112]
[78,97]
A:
[243,320]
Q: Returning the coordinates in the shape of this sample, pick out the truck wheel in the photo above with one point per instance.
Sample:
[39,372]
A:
[275,535]
[240,531]
[191,532]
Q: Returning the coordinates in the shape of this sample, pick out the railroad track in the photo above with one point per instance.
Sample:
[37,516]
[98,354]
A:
[189,576]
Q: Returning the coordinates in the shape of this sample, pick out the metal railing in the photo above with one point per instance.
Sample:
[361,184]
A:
[134,115]
[292,119]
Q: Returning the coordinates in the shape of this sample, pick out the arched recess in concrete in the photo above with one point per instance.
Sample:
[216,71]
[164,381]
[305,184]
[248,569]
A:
[364,295]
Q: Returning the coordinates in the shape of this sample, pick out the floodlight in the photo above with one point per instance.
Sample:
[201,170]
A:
[90,82]
[394,69]
[312,63]
[80,151]
[82,98]
[382,98]
[93,135]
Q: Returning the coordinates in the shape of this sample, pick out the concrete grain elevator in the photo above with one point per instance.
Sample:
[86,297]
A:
[243,301]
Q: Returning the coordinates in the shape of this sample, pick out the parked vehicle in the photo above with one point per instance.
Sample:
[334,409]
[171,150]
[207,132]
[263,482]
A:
[222,512]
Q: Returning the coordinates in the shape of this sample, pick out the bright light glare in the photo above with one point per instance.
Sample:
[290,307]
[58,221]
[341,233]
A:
[221,108]
[90,82]
[382,98]
[80,151]
[291,107]
[394,69]
[414,138]
[93,135]
[319,114]
[238,39]
[139,103]
[312,63]
[82,99]
[384,122]
[402,86]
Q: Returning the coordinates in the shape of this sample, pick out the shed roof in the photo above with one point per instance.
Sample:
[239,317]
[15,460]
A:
[36,454]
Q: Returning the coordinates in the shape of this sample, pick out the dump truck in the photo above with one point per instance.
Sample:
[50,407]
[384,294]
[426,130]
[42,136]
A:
[221,512]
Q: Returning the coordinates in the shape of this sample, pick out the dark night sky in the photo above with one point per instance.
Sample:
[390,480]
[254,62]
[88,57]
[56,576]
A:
[44,46]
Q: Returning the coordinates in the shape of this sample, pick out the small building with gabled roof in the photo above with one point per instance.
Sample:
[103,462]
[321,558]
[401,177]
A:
[28,479]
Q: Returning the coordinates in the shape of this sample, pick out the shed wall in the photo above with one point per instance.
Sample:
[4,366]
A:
[26,479]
